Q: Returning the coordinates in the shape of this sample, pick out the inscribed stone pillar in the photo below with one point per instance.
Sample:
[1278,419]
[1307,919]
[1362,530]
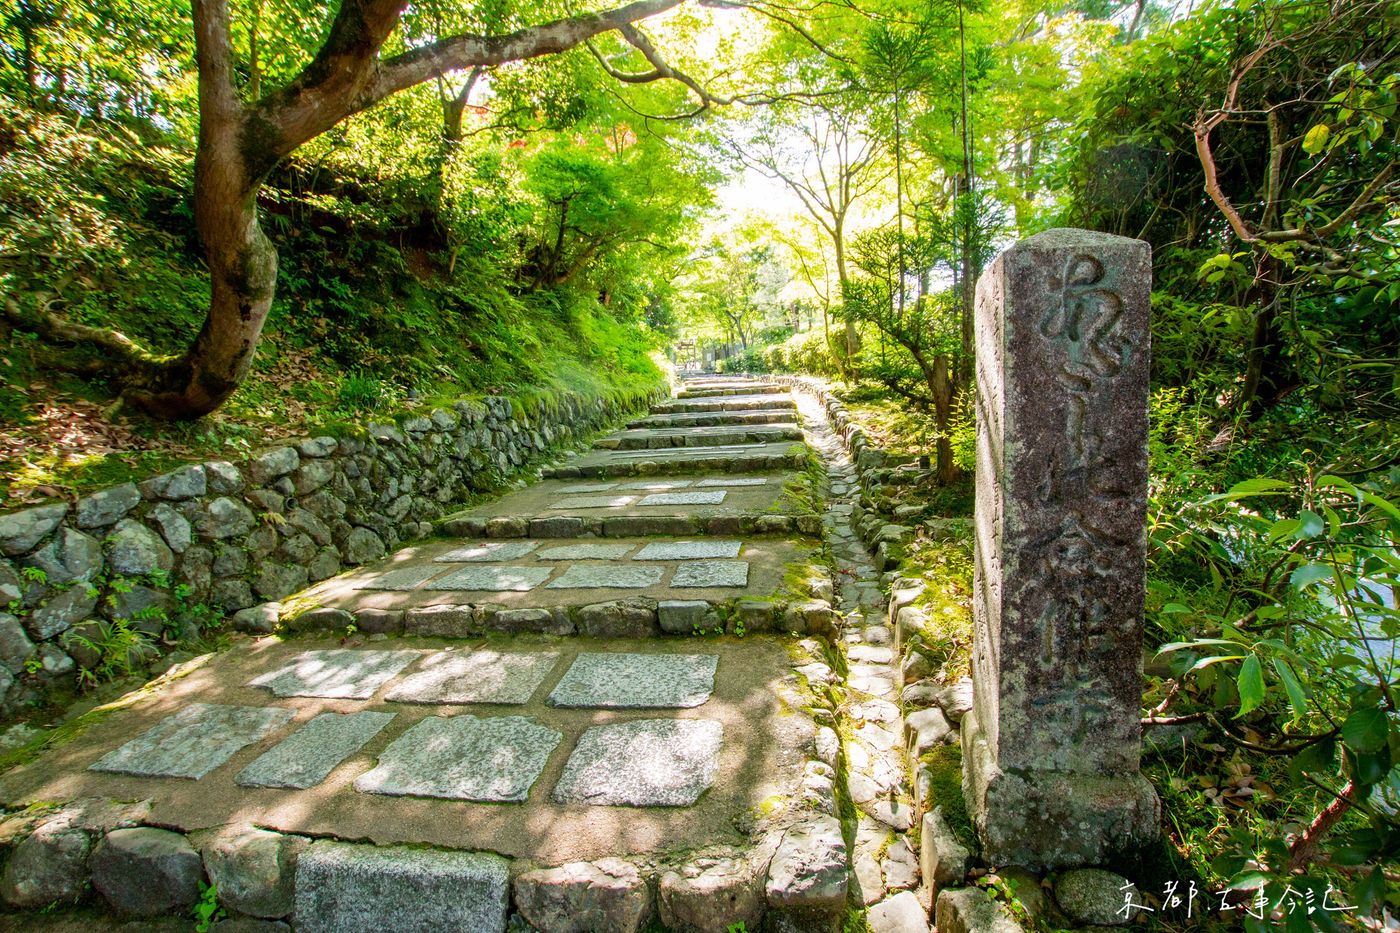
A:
[1051,748]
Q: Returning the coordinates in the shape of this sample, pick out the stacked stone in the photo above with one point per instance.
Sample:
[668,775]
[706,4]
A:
[229,536]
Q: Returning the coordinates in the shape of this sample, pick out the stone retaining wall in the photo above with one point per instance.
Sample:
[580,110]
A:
[176,552]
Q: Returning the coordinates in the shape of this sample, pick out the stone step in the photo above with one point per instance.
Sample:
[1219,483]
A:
[744,458]
[717,436]
[733,403]
[718,392]
[713,419]
[728,504]
[618,587]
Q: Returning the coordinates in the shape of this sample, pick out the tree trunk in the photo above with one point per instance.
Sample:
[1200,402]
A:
[242,261]
[1265,364]
[838,240]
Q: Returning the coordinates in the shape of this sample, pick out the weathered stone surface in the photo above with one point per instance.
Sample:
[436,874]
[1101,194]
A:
[927,728]
[606,577]
[956,699]
[275,581]
[276,462]
[712,893]
[557,526]
[173,527]
[728,574]
[20,531]
[1062,337]
[809,868]
[249,925]
[49,866]
[1095,896]
[321,618]
[688,550]
[619,619]
[943,861]
[609,894]
[592,502]
[585,552]
[222,478]
[133,549]
[463,758]
[259,620]
[483,676]
[305,758]
[489,551]
[492,579]
[401,579]
[345,888]
[15,646]
[107,506]
[362,546]
[254,870]
[185,483]
[972,910]
[899,914]
[642,763]
[444,621]
[636,681]
[708,497]
[62,612]
[317,447]
[144,872]
[683,616]
[224,518]
[345,673]
[194,741]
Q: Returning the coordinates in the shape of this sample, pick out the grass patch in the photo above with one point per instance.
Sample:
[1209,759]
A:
[945,765]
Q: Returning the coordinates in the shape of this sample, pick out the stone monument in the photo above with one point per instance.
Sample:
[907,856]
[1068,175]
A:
[1051,748]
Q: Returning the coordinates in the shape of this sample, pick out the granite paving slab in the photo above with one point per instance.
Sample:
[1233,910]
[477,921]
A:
[347,888]
[607,577]
[194,741]
[636,681]
[343,673]
[483,676]
[643,763]
[711,573]
[585,552]
[493,579]
[463,758]
[658,485]
[709,497]
[593,502]
[400,579]
[687,550]
[315,750]
[488,551]
[732,481]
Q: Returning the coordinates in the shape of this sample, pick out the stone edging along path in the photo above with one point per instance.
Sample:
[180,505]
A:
[230,536]
[906,719]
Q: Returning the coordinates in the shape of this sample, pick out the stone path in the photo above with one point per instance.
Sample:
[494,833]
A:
[480,729]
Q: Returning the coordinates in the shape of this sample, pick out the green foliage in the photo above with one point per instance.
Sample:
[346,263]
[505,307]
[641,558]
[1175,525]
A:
[1287,650]
[207,909]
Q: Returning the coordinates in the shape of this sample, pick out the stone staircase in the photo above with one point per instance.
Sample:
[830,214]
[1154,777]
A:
[591,704]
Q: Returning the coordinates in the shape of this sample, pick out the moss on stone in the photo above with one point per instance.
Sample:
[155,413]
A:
[945,767]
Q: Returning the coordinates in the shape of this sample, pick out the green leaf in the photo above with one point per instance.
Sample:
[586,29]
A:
[1296,697]
[1310,523]
[1308,574]
[1366,731]
[1250,684]
[1316,139]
